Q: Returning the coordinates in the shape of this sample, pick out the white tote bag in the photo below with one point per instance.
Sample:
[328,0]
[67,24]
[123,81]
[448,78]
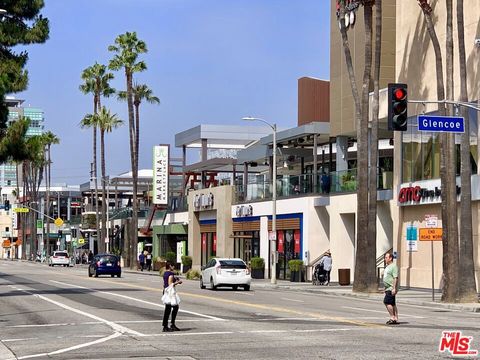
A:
[170,296]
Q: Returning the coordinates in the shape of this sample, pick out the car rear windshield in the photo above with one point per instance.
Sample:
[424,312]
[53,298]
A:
[108,259]
[232,264]
[60,254]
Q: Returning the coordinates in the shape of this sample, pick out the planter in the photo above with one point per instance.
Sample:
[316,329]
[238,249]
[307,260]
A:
[258,273]
[157,265]
[297,276]
[186,268]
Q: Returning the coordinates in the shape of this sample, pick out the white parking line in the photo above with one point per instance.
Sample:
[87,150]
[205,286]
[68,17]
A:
[382,312]
[141,301]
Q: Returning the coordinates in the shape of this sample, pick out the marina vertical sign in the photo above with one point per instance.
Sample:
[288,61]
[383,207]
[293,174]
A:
[160,174]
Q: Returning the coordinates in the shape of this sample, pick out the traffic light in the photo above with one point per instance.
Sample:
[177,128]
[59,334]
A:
[397,107]
[6,205]
[60,234]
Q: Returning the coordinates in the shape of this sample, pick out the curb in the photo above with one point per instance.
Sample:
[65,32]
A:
[6,353]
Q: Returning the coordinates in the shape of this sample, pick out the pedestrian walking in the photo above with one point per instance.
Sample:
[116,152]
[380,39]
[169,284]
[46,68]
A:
[170,298]
[149,261]
[327,265]
[90,256]
[390,281]
[141,261]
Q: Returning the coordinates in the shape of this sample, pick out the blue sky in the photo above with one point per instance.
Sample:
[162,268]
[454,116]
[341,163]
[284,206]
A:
[209,62]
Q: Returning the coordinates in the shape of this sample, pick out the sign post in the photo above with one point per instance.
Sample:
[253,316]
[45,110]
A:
[431,222]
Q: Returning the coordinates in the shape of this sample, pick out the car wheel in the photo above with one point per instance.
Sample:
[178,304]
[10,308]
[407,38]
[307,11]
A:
[202,285]
[235,287]
[95,273]
[89,273]
[119,275]
[112,275]
[246,288]
[212,285]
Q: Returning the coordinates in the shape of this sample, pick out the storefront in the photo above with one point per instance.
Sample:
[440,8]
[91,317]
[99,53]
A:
[208,231]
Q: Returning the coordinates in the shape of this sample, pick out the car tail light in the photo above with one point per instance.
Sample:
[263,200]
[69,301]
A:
[55,256]
[247,270]
[118,263]
[66,256]
[219,269]
[98,263]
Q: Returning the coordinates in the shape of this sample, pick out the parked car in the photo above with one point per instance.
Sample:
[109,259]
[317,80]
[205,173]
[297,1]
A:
[225,272]
[59,258]
[105,264]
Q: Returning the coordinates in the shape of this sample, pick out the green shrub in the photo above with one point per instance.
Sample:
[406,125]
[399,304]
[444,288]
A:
[171,257]
[187,260]
[192,274]
[257,263]
[295,265]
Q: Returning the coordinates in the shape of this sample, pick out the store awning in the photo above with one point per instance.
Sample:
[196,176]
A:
[171,229]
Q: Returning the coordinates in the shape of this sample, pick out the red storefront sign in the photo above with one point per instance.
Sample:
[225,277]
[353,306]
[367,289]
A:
[214,242]
[204,241]
[296,239]
[281,241]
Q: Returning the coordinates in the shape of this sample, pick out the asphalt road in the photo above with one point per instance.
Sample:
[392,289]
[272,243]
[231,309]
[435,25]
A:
[61,313]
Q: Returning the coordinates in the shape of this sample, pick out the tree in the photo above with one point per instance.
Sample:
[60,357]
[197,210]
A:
[97,82]
[49,139]
[467,291]
[127,48]
[106,122]
[21,25]
[140,92]
[364,273]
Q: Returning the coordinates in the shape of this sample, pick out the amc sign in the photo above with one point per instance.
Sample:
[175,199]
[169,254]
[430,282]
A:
[418,194]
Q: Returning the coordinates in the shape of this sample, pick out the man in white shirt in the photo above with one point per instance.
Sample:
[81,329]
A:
[327,265]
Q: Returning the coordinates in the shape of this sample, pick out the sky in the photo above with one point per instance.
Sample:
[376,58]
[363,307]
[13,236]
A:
[209,62]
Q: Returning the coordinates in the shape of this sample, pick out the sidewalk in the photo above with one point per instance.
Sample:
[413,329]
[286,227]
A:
[419,297]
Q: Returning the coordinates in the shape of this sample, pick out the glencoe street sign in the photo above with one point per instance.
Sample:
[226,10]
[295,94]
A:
[449,124]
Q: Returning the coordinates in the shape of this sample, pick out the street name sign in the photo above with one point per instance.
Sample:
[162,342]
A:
[450,124]
[21,210]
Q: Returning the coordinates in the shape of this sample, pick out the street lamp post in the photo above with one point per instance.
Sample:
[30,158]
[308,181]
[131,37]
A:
[273,243]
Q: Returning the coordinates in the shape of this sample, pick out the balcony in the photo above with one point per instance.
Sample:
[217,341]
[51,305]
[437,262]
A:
[337,182]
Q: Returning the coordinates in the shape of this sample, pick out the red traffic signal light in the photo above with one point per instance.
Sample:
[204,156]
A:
[397,107]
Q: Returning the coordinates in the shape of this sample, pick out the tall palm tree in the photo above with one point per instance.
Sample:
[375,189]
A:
[448,292]
[106,122]
[140,92]
[467,285]
[97,82]
[49,139]
[364,273]
[126,50]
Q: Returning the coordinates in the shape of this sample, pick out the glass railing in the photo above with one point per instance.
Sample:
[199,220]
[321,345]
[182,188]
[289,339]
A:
[300,185]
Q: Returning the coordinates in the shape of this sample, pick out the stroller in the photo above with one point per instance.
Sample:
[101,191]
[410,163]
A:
[319,275]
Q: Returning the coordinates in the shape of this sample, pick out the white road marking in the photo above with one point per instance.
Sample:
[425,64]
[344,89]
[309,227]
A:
[116,327]
[76,347]
[141,301]
[24,339]
[383,312]
[40,325]
[244,293]
[295,300]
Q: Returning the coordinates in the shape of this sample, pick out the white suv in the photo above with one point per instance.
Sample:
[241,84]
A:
[225,272]
[59,258]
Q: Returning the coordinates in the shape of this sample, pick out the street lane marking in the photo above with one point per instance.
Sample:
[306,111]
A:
[39,325]
[24,339]
[118,328]
[295,300]
[139,300]
[252,305]
[76,347]
[382,312]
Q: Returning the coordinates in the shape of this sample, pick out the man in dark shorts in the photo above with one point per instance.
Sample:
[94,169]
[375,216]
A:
[390,281]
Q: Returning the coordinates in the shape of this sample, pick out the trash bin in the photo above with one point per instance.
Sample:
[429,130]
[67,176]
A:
[344,276]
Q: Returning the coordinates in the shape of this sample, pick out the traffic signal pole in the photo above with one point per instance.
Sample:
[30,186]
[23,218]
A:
[449,102]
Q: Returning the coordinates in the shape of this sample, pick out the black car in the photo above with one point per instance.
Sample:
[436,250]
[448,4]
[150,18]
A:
[105,264]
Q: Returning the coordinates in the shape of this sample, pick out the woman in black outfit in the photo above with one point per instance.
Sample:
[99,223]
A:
[169,279]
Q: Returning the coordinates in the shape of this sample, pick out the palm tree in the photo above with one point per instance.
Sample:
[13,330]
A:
[127,48]
[49,139]
[364,273]
[467,286]
[97,81]
[106,122]
[448,206]
[140,92]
